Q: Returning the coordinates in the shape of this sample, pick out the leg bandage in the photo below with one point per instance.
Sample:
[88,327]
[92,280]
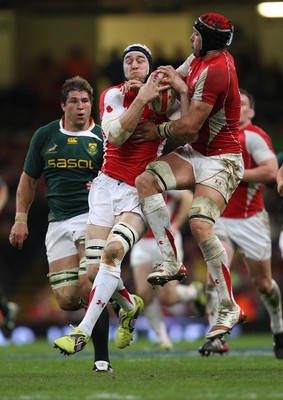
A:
[163,174]
[93,250]
[63,278]
[205,209]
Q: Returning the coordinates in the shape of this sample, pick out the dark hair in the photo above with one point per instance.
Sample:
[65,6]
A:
[215,30]
[249,96]
[76,83]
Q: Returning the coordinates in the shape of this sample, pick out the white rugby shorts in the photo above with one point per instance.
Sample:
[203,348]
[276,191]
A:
[109,198]
[280,243]
[251,235]
[222,173]
[146,251]
[61,237]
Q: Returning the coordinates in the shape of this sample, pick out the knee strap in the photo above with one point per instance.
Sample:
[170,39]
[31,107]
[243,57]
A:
[125,234]
[63,278]
[204,209]
[162,172]
[93,250]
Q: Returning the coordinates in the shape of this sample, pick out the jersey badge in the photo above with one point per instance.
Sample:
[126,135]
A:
[109,109]
[52,149]
[92,148]
[72,140]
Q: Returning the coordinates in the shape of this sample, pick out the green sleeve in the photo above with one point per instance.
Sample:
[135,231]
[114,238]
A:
[34,162]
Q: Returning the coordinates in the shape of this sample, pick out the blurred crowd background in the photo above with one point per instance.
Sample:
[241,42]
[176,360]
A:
[44,43]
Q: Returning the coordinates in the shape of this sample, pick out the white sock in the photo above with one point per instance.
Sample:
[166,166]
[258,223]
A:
[104,285]
[211,304]
[155,317]
[216,259]
[273,305]
[157,215]
[123,297]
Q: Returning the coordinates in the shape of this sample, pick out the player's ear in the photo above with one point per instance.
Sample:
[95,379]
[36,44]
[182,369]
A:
[251,113]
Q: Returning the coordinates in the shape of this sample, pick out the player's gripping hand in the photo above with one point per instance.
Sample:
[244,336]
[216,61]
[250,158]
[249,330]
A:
[144,132]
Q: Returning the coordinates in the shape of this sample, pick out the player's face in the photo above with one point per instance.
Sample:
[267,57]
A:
[196,42]
[136,66]
[77,111]
[247,113]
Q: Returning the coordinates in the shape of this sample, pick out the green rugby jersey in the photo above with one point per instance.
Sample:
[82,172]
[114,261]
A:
[68,161]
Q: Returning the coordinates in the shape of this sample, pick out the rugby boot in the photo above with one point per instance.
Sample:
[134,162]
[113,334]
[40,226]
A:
[216,345]
[72,343]
[226,320]
[162,275]
[102,366]
[127,321]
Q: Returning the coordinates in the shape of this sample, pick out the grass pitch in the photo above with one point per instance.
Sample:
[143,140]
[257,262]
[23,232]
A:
[249,371]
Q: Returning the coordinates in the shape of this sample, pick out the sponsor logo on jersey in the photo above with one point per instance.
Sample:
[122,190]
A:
[52,149]
[70,163]
[72,140]
[92,148]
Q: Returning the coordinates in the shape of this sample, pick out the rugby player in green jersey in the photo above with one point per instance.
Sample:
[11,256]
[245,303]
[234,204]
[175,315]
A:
[69,153]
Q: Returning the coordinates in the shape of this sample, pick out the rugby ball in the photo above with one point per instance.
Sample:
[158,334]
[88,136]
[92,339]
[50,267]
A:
[164,102]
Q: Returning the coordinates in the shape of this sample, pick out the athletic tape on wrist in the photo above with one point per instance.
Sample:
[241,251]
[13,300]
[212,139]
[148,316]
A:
[21,218]
[164,130]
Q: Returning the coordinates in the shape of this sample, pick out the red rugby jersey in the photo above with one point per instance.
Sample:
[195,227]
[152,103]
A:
[126,162]
[215,82]
[247,199]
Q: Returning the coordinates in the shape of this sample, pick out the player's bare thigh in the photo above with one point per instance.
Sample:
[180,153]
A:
[182,170]
[69,262]
[97,232]
[184,176]
[135,220]
[177,174]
